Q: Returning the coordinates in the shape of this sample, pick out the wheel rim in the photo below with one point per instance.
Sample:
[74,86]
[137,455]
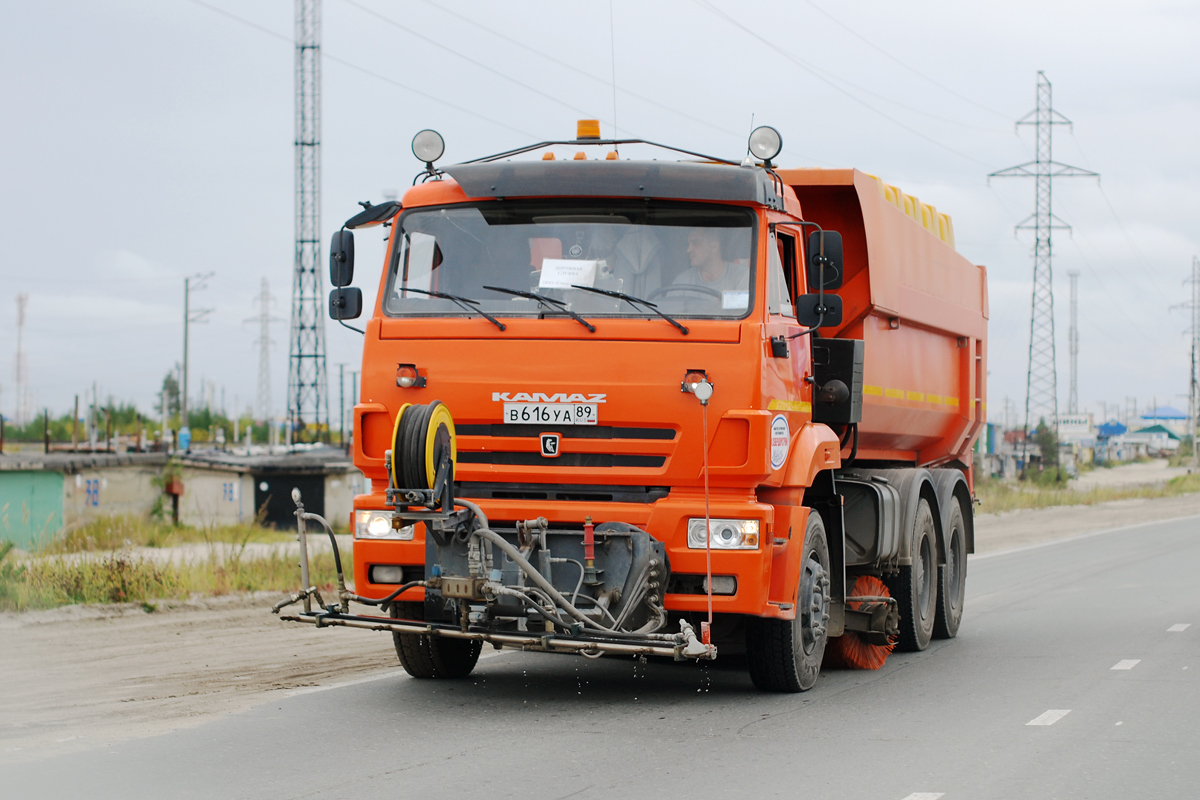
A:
[924,576]
[814,605]
[954,572]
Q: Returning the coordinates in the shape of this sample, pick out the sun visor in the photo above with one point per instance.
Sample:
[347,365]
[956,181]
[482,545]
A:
[661,180]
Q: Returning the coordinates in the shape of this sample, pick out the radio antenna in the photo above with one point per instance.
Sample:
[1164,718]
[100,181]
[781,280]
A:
[612,53]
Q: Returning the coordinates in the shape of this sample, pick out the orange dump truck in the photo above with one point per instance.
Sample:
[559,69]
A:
[674,408]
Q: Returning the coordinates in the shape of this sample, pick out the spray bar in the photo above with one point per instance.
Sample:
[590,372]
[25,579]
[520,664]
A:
[681,646]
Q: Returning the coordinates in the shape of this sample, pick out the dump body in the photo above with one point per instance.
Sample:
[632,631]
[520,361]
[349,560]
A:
[921,310]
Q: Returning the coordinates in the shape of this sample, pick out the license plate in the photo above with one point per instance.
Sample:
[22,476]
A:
[550,413]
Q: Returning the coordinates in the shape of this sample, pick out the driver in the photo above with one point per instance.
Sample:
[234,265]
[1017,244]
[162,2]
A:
[709,268]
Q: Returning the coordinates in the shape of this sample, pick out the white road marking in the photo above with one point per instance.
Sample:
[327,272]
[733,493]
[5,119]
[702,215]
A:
[1050,717]
[1119,723]
[1179,627]
[1128,663]
[924,796]
[1065,540]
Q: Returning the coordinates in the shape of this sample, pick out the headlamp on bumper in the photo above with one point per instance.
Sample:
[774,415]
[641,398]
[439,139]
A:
[727,534]
[370,524]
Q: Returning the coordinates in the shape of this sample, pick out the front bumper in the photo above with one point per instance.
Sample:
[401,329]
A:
[760,574]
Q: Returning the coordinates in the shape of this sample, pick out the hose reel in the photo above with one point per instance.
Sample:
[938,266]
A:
[424,453]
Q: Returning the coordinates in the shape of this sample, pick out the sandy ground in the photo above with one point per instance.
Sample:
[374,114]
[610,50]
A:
[1153,472]
[80,677]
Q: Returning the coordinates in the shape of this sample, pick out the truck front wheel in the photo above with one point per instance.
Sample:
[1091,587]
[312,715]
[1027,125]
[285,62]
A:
[785,655]
[424,656]
[915,587]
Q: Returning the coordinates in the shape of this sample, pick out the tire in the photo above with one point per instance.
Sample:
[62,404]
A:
[785,655]
[424,656]
[952,577]
[915,587]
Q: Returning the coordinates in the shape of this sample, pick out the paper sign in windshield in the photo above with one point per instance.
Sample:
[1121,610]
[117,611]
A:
[735,299]
[563,273]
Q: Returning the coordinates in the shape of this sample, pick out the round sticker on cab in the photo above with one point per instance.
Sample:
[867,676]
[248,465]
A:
[781,441]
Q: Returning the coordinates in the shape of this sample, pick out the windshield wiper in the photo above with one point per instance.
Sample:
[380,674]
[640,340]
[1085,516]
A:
[464,302]
[633,301]
[546,302]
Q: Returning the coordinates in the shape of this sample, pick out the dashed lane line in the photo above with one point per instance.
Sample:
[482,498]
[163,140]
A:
[1179,627]
[1049,717]
[924,796]
[1127,663]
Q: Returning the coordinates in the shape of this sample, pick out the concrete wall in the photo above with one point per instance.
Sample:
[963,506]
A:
[339,497]
[216,497]
[97,492]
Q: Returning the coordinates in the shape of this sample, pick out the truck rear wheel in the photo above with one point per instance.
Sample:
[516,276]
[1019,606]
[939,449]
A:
[785,655]
[915,587]
[424,656]
[952,577]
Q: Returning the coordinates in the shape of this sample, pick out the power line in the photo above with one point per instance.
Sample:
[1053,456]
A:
[911,69]
[464,57]
[816,72]
[568,65]
[327,56]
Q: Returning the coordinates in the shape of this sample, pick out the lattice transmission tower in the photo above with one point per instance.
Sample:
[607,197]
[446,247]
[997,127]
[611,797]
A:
[308,400]
[1041,380]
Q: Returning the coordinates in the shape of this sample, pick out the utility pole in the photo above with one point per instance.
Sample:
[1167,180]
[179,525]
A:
[342,405]
[264,342]
[1194,381]
[1041,381]
[308,401]
[190,284]
[21,366]
[1195,385]
[1073,345]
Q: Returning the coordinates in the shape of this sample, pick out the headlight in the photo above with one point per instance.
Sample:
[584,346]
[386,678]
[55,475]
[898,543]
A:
[727,534]
[378,525]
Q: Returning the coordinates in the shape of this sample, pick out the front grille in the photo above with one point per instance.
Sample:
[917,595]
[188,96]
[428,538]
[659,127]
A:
[566,431]
[603,460]
[560,492]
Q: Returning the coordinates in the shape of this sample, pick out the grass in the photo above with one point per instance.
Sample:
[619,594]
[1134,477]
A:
[115,533]
[121,577]
[94,563]
[996,496]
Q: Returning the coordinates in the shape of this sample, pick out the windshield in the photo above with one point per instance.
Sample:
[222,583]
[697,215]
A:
[689,260]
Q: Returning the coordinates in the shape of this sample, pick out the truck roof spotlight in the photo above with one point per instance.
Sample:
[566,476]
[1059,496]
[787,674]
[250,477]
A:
[765,143]
[428,146]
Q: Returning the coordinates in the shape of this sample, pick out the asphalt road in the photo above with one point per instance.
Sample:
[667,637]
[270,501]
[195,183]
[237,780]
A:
[1081,634]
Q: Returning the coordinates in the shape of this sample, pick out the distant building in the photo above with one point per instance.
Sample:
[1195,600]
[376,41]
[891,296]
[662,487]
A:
[1074,428]
[1171,418]
[1158,439]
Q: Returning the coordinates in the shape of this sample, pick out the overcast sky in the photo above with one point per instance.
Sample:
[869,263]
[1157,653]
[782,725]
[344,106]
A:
[144,141]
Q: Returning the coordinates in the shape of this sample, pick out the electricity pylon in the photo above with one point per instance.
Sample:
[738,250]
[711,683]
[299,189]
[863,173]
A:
[1041,379]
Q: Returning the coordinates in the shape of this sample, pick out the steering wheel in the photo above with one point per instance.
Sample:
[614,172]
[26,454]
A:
[685,287]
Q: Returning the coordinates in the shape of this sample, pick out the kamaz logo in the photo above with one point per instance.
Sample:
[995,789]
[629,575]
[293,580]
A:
[542,397]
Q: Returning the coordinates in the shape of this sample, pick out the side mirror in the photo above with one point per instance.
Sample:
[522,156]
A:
[345,303]
[341,259]
[832,260]
[809,308]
